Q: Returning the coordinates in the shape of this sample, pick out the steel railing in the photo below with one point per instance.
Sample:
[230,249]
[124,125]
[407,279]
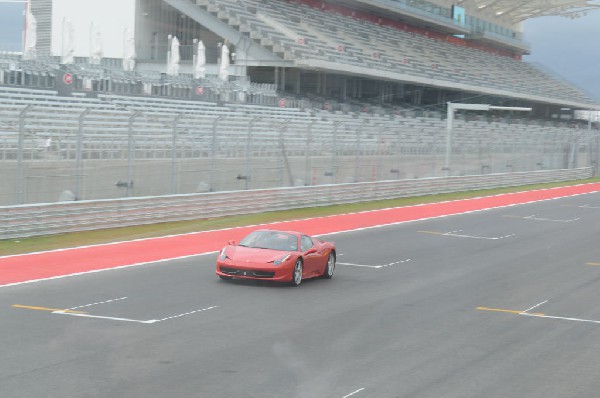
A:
[45,219]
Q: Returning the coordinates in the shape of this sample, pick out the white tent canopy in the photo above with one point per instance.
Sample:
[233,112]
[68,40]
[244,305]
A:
[200,62]
[224,67]
[173,57]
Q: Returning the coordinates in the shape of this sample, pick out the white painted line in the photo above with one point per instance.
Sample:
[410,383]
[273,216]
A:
[535,306]
[457,235]
[354,392]
[538,315]
[361,265]
[478,237]
[164,260]
[376,266]
[588,207]
[561,318]
[132,320]
[583,206]
[100,302]
[533,217]
[104,317]
[187,313]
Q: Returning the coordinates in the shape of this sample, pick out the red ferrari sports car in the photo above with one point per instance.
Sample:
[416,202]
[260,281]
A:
[281,256]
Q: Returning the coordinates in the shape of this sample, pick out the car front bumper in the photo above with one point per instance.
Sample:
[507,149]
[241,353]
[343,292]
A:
[234,269]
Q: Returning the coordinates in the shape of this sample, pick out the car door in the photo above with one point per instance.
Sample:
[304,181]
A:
[312,256]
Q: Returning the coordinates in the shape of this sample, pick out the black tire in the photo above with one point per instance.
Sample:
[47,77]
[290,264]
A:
[330,266]
[297,273]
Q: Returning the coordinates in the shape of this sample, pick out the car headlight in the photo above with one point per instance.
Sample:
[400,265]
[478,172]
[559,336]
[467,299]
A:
[223,254]
[282,259]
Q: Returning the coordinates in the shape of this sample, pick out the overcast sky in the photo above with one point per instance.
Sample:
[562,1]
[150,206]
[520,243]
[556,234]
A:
[567,47]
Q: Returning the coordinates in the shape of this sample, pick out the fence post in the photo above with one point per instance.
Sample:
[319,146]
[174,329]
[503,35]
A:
[380,147]
[20,149]
[249,151]
[174,184]
[357,150]
[213,155]
[307,162]
[130,152]
[284,158]
[589,140]
[78,155]
[334,147]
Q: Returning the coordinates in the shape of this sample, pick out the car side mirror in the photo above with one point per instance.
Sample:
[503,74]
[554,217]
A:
[312,250]
[231,242]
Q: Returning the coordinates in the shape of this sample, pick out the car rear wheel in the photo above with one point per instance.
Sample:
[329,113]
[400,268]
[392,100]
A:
[297,273]
[330,266]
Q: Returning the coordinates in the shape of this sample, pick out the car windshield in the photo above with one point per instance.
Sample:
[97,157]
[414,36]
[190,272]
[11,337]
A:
[273,240]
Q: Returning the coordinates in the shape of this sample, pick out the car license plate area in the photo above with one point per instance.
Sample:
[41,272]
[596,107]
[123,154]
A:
[247,272]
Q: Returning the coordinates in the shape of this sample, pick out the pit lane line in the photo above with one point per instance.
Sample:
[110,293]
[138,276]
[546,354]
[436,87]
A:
[376,266]
[354,393]
[150,321]
[538,315]
[72,312]
[533,217]
[460,235]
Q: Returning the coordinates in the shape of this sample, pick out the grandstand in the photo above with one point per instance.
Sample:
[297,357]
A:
[317,92]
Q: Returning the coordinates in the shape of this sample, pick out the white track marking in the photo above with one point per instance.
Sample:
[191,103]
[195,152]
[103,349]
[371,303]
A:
[316,235]
[561,318]
[533,217]
[164,260]
[187,313]
[360,265]
[354,392]
[104,317]
[539,315]
[150,321]
[584,206]
[100,302]
[456,234]
[535,306]
[479,237]
[376,266]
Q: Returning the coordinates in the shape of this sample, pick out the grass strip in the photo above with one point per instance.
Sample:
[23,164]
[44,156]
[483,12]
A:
[74,239]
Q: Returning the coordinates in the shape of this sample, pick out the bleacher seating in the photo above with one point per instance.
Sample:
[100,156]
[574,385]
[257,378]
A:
[204,126]
[300,32]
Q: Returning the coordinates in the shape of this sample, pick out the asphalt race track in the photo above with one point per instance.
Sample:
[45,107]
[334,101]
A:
[500,303]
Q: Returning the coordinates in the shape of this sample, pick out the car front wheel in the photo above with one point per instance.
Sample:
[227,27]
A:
[297,273]
[330,266]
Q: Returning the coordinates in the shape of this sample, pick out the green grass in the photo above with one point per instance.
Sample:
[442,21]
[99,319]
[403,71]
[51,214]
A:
[50,242]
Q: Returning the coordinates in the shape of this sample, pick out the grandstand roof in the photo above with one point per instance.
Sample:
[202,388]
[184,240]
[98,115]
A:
[517,11]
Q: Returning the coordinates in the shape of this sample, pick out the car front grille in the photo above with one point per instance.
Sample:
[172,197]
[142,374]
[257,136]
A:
[247,272]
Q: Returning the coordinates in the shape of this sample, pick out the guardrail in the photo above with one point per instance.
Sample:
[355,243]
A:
[54,218]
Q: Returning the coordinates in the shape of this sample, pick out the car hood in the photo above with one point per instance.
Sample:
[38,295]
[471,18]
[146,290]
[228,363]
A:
[243,254]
